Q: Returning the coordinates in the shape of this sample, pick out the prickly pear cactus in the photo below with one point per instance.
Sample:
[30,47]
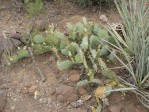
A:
[85,44]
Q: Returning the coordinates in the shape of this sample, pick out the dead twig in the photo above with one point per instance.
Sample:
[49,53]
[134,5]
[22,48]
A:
[36,66]
[31,52]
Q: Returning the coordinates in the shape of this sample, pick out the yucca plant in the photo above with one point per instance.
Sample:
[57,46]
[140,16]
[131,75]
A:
[135,28]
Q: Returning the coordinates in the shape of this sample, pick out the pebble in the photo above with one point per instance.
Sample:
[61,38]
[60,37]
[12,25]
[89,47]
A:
[82,91]
[103,18]
[74,76]
[66,93]
[25,90]
[77,103]
[32,89]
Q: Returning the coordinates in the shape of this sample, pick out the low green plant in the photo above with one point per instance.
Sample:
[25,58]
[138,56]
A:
[34,7]
[135,38]
[37,44]
[20,54]
[82,46]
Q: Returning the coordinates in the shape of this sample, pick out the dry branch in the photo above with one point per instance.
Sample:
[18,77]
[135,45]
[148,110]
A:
[36,65]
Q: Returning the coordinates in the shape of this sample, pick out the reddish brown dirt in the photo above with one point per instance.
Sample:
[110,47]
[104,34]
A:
[26,92]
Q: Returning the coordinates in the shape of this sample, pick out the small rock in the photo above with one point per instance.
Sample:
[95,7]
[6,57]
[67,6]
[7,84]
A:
[4,86]
[41,25]
[12,108]
[16,36]
[103,18]
[25,90]
[76,110]
[37,95]
[115,109]
[20,22]
[77,103]
[15,83]
[66,93]
[28,85]
[3,98]
[74,76]
[82,91]
[9,43]
[32,89]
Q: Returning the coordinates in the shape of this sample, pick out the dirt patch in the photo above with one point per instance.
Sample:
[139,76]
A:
[25,90]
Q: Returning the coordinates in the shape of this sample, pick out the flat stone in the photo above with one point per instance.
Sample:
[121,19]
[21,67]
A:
[8,44]
[66,93]
[74,76]
[82,91]
[103,18]
[41,25]
[32,89]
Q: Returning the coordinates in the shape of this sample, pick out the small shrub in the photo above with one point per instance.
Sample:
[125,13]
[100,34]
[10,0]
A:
[34,7]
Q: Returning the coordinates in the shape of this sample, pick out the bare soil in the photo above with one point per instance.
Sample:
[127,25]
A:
[25,90]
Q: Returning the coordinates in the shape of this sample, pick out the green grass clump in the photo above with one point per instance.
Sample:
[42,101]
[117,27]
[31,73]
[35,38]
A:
[34,7]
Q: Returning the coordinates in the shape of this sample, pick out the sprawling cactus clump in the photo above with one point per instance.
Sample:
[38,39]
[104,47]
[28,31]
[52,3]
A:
[83,45]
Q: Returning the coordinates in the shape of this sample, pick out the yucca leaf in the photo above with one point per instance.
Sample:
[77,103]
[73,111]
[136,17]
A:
[111,57]
[104,50]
